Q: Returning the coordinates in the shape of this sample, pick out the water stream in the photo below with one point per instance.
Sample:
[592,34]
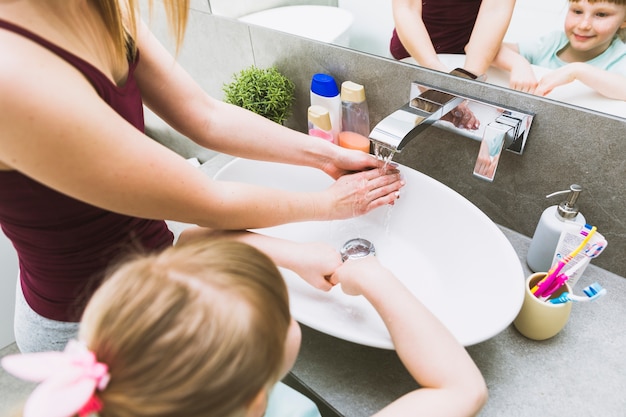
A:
[383,153]
[373,225]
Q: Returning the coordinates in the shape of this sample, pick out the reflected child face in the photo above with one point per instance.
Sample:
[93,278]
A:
[591,26]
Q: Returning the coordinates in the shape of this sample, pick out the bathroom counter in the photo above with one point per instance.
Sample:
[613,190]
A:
[579,372]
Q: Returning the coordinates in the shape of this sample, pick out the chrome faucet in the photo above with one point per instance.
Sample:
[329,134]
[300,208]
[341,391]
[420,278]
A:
[403,125]
[499,129]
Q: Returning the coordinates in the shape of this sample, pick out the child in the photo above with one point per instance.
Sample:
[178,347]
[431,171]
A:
[204,328]
[589,50]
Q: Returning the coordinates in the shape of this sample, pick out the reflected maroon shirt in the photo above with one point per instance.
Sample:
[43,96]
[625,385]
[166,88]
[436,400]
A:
[449,24]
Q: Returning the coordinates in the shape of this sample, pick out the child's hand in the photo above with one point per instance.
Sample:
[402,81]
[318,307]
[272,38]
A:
[315,263]
[556,78]
[358,276]
[523,78]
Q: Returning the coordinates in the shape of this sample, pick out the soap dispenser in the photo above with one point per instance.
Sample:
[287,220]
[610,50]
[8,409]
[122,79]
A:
[553,221]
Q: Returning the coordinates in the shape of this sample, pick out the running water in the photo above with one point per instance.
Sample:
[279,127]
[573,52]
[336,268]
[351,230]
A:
[385,154]
[374,225]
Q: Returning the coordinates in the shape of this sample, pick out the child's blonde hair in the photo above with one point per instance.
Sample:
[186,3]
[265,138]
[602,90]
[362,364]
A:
[197,330]
[621,33]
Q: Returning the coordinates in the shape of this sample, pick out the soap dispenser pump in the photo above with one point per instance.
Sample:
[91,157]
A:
[553,221]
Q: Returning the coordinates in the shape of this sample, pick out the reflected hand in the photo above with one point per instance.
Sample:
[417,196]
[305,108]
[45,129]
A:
[523,78]
[485,163]
[462,117]
[556,78]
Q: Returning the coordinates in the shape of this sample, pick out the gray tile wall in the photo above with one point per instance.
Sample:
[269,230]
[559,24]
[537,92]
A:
[566,144]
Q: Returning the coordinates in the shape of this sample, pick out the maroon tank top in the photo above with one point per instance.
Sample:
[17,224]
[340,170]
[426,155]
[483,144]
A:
[449,24]
[64,245]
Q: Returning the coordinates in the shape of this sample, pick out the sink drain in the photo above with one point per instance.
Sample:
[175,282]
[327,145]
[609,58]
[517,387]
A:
[357,248]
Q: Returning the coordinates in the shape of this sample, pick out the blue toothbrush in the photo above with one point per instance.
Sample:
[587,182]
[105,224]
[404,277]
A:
[592,292]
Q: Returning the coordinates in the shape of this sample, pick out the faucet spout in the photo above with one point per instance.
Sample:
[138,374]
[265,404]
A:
[499,128]
[406,123]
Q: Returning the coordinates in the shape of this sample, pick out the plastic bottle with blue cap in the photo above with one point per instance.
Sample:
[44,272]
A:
[325,93]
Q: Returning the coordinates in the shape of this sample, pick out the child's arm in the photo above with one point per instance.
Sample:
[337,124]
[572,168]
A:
[522,76]
[451,384]
[607,83]
[312,261]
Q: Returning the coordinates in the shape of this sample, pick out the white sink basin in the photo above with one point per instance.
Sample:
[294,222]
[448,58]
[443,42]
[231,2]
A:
[442,247]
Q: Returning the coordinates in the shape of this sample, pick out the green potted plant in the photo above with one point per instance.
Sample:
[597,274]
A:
[264,91]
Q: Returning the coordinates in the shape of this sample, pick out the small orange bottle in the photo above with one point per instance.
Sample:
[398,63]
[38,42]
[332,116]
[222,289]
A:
[352,140]
[355,117]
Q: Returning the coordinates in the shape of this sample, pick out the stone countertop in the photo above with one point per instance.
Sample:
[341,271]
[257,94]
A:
[579,372]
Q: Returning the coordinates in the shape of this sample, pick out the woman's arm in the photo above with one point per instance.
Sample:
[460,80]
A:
[451,384]
[407,16]
[55,129]
[174,96]
[491,25]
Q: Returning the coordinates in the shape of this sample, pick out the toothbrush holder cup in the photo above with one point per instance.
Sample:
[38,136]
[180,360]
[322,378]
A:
[540,320]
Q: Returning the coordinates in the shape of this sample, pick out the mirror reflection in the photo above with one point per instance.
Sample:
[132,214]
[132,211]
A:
[368,26]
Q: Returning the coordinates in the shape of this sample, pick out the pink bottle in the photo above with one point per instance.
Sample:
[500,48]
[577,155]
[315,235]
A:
[319,123]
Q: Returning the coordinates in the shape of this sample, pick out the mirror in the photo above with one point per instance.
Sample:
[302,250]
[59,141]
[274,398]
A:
[372,26]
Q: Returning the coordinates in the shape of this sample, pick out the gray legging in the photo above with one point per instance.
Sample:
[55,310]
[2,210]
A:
[34,333]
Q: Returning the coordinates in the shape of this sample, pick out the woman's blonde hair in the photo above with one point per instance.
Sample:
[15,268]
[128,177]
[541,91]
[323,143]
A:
[197,330]
[121,16]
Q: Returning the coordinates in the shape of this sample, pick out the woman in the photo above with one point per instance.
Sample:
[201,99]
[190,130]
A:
[80,182]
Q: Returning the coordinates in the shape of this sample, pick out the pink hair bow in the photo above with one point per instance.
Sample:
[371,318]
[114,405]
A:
[68,379]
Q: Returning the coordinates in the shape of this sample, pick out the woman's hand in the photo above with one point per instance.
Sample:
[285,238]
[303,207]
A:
[356,194]
[348,161]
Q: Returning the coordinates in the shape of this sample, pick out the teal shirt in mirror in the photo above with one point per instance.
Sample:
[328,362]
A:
[543,52]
